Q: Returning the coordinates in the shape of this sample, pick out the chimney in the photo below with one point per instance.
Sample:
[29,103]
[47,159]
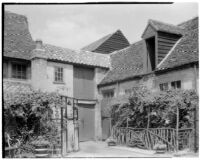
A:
[38,44]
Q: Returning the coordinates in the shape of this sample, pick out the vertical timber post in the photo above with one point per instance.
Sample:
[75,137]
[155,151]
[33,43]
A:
[61,131]
[75,117]
[195,112]
[177,126]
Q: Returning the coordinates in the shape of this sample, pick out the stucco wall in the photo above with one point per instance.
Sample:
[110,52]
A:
[187,77]
[99,75]
[43,77]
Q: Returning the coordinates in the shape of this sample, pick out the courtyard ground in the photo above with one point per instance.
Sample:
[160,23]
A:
[100,149]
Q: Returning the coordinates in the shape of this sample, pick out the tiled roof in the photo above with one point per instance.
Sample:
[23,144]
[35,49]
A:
[77,57]
[15,87]
[18,42]
[186,50]
[109,43]
[96,44]
[126,63]
[165,27]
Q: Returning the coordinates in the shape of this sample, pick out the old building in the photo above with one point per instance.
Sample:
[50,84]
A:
[32,65]
[166,57]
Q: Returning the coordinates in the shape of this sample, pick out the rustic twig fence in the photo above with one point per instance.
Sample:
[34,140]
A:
[147,138]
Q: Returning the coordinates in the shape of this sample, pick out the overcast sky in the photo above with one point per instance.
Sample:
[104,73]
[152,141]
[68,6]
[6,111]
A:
[74,26]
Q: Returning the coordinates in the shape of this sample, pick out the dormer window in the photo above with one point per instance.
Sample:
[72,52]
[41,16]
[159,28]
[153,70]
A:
[160,38]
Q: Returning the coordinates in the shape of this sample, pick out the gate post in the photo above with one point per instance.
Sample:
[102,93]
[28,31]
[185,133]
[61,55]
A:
[76,127]
[177,126]
[63,129]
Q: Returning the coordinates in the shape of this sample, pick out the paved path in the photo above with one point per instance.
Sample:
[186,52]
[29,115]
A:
[100,149]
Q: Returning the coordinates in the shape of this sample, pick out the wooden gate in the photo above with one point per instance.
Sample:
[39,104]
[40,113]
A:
[147,138]
[69,125]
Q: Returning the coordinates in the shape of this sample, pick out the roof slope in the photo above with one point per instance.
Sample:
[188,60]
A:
[165,27]
[186,50]
[126,63]
[77,57]
[96,44]
[18,42]
[109,43]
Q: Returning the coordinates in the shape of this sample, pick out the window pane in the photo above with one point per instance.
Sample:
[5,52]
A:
[178,84]
[59,74]
[19,71]
[173,85]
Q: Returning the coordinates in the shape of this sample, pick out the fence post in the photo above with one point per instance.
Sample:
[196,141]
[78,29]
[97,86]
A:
[177,125]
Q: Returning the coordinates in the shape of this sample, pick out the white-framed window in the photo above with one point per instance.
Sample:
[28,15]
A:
[164,86]
[176,84]
[58,74]
[19,71]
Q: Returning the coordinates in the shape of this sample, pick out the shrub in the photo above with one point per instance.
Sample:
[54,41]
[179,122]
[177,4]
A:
[158,107]
[27,115]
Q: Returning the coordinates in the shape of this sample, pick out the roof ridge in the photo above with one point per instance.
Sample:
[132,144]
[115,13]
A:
[173,25]
[106,37]
[187,20]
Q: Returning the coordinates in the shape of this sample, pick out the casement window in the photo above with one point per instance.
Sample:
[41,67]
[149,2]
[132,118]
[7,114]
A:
[164,86]
[176,84]
[58,74]
[19,71]
[108,94]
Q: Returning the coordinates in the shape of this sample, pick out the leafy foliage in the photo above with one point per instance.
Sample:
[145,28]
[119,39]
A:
[160,108]
[27,115]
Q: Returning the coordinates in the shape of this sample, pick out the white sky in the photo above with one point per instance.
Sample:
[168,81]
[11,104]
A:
[74,26]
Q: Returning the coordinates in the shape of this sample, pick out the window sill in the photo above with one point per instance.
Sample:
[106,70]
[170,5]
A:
[58,82]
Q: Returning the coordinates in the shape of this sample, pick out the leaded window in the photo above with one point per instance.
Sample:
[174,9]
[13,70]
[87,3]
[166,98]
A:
[19,71]
[58,74]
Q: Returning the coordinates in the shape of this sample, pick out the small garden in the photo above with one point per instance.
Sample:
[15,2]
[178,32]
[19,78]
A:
[173,109]
[28,123]
[145,109]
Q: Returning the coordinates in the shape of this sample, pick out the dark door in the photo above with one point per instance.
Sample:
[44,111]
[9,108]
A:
[105,128]
[86,122]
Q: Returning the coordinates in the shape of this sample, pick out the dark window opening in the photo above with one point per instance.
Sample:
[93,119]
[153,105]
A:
[151,54]
[164,86]
[176,84]
[5,69]
[19,71]
[58,74]
[108,94]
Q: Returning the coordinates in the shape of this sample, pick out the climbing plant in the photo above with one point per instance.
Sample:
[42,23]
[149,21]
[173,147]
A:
[156,109]
[29,114]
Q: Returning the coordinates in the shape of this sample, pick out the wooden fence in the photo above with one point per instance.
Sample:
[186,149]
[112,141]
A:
[147,138]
